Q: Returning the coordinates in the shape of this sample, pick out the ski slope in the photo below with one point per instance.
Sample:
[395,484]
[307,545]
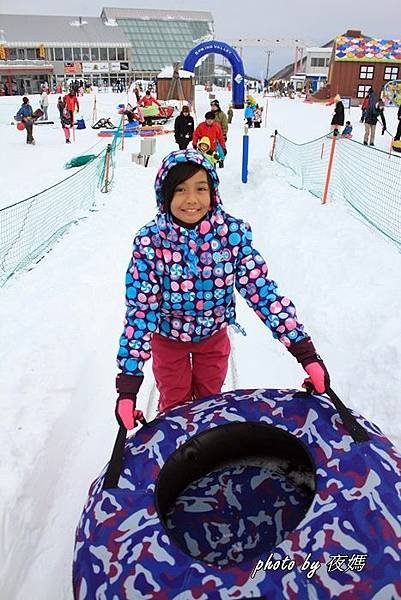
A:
[61,321]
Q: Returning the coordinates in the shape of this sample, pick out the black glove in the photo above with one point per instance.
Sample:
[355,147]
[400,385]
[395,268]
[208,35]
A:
[383,130]
[225,151]
[318,376]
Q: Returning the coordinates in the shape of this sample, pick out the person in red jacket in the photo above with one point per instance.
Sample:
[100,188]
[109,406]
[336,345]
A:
[211,129]
[147,101]
[71,103]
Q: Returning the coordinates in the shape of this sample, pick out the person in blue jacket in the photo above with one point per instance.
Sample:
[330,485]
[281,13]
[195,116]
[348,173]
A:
[25,115]
[248,114]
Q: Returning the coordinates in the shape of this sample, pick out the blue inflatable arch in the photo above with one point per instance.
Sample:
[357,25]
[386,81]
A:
[216,47]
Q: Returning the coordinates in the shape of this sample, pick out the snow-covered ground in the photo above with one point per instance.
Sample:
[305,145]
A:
[60,322]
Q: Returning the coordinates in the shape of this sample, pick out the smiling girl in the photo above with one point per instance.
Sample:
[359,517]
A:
[180,293]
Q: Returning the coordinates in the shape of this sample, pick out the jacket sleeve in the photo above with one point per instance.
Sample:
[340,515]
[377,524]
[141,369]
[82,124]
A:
[224,124]
[143,297]
[262,295]
[195,136]
[177,128]
[19,114]
[220,136]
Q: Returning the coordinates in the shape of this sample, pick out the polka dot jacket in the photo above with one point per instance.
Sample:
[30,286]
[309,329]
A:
[180,282]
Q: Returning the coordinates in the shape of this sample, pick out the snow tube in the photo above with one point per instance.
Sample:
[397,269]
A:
[248,494]
[20,126]
[150,111]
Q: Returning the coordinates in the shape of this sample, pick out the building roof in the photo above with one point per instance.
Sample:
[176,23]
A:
[320,50]
[360,48]
[32,30]
[161,15]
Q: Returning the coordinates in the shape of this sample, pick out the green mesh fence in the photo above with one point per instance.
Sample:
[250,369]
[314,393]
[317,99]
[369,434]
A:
[368,179]
[29,228]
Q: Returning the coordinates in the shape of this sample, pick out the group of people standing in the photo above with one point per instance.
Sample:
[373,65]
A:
[209,137]
[372,111]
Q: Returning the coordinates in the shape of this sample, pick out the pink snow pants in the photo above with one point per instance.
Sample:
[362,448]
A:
[186,370]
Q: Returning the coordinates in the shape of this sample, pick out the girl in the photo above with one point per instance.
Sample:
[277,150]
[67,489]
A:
[66,123]
[180,293]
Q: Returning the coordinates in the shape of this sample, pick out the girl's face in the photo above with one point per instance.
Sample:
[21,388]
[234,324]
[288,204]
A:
[191,200]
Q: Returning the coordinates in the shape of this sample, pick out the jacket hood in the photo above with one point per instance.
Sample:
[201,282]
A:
[205,140]
[180,156]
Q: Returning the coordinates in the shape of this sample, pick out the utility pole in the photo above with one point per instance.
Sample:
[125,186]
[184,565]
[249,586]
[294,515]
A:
[269,53]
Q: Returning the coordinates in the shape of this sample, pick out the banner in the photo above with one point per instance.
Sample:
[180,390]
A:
[71,68]
[95,67]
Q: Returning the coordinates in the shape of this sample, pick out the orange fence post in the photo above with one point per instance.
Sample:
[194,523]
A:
[329,169]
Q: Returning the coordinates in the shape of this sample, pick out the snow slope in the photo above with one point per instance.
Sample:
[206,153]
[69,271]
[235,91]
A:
[61,321]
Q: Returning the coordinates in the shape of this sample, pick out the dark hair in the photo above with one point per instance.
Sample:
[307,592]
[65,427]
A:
[147,93]
[25,100]
[177,175]
[209,115]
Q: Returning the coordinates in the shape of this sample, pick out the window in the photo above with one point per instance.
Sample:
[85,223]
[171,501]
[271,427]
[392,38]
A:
[327,62]
[76,52]
[120,53]
[31,53]
[58,54]
[103,54]
[68,54]
[95,54]
[390,73]
[21,53]
[85,54]
[12,54]
[317,62]
[112,54]
[366,72]
[362,91]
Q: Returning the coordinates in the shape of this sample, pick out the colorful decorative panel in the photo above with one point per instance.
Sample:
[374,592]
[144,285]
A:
[364,49]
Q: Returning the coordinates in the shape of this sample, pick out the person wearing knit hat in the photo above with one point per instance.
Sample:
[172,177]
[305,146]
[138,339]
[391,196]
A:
[211,129]
[220,117]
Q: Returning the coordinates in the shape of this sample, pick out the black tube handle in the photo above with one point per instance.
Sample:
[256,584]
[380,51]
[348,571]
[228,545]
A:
[115,466]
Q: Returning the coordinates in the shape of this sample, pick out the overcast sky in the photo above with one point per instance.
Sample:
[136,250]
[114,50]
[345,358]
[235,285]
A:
[315,20]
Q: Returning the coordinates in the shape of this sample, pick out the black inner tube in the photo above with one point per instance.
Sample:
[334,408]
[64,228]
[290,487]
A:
[233,443]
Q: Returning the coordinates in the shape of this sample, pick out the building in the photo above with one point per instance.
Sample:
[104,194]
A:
[161,38]
[313,65]
[360,62]
[121,44]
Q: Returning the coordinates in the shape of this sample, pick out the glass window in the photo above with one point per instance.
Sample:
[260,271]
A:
[21,53]
[362,90]
[112,54]
[76,53]
[103,54]
[366,72]
[12,54]
[120,53]
[94,53]
[68,54]
[58,54]
[86,54]
[31,53]
[390,73]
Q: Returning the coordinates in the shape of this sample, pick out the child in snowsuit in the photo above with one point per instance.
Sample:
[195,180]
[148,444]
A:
[204,148]
[66,123]
[180,298]
[347,131]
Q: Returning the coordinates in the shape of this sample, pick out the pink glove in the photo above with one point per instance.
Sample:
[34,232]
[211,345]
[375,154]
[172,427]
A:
[127,388]
[305,353]
[127,414]
[318,377]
